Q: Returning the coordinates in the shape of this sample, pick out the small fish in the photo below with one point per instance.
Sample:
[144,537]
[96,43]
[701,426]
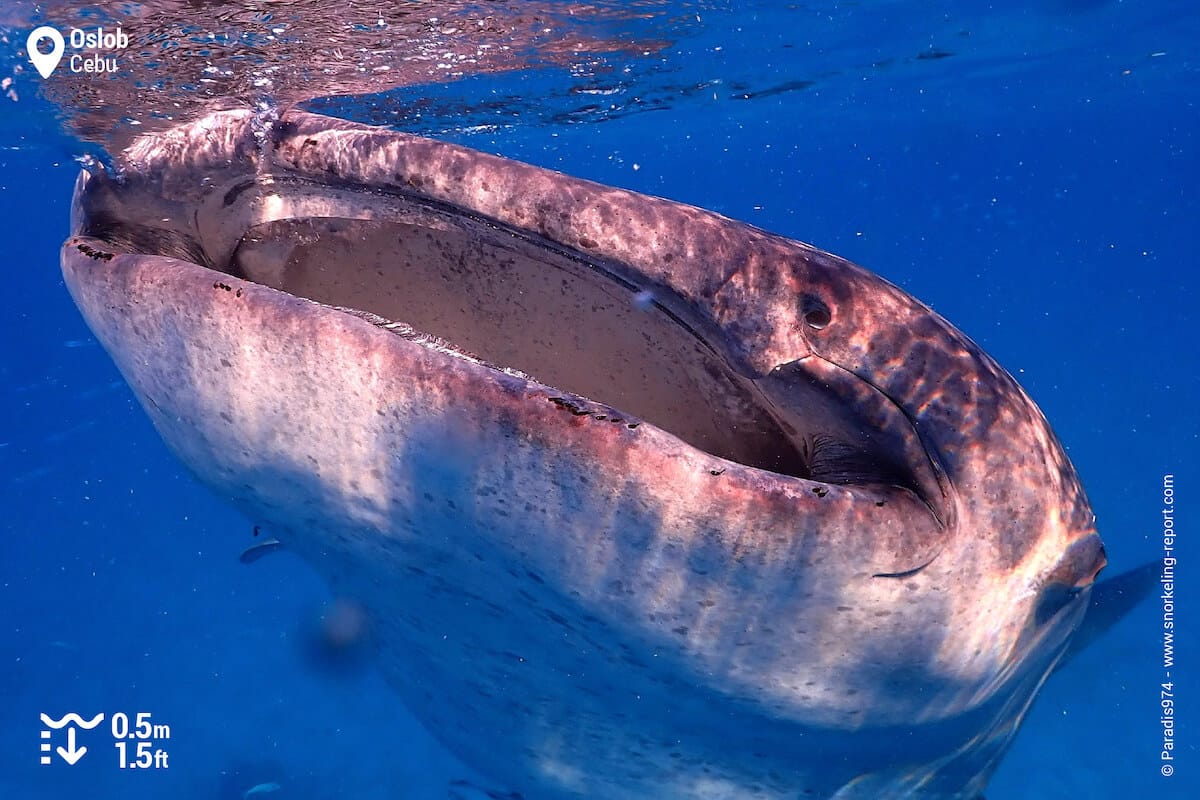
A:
[256,551]
[261,788]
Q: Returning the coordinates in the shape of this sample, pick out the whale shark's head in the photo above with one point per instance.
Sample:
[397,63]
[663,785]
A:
[662,453]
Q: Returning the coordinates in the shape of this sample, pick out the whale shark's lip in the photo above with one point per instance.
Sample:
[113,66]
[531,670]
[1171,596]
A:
[289,210]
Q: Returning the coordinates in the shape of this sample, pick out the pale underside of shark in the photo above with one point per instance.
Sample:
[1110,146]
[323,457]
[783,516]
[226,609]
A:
[641,501]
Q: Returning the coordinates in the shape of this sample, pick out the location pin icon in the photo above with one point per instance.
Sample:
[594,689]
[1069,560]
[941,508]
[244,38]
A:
[45,62]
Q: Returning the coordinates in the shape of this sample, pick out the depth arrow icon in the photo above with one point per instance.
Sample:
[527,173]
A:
[70,754]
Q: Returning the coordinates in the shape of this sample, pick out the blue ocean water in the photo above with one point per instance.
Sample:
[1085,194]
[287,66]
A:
[1030,170]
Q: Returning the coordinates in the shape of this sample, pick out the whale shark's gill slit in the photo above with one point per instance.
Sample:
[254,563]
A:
[938,502]
[834,461]
[125,236]
[514,302]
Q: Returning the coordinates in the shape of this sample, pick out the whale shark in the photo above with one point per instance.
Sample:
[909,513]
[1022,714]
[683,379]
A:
[639,500]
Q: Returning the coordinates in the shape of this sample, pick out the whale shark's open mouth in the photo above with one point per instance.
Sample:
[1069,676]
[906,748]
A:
[515,298]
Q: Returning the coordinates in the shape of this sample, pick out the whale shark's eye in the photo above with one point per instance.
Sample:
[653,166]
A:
[816,314]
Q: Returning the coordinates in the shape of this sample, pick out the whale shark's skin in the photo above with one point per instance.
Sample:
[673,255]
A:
[641,501]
